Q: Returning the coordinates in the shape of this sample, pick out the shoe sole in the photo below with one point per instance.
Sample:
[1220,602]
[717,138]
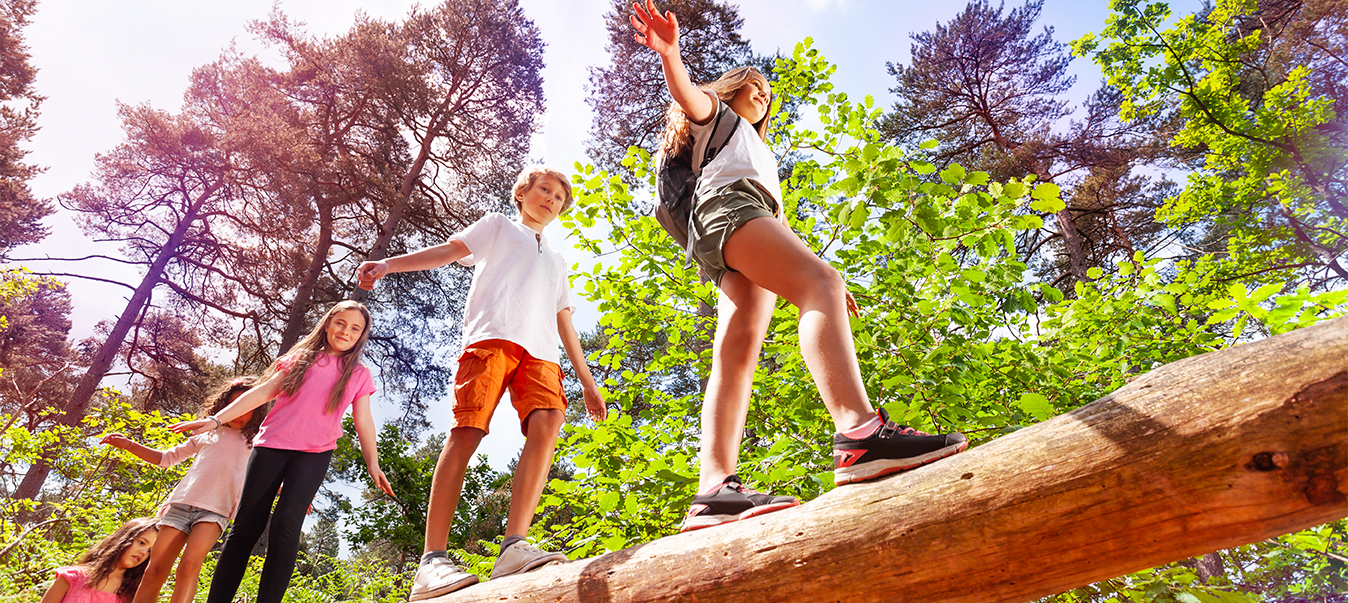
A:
[444,590]
[531,566]
[881,468]
[709,521]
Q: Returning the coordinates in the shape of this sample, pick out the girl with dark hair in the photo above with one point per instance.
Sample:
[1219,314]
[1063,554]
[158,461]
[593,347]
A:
[109,572]
[313,384]
[200,507]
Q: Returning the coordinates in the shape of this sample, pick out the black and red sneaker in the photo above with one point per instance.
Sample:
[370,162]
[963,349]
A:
[890,449]
[731,501]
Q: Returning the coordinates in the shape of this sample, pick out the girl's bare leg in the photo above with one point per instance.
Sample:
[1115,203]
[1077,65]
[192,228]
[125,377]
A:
[772,257]
[199,543]
[162,555]
[742,317]
[531,472]
[447,484]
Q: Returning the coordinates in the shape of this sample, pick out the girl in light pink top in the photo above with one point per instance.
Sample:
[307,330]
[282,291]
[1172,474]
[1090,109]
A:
[109,572]
[200,507]
[313,384]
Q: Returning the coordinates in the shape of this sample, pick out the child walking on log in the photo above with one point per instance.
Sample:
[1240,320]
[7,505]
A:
[518,311]
[200,507]
[739,237]
[109,572]
[313,384]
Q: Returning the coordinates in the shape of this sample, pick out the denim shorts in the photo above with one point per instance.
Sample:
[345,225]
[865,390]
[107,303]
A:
[182,517]
[717,215]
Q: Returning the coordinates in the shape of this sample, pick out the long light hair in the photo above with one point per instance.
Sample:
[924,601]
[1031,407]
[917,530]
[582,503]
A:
[302,355]
[677,139]
[103,558]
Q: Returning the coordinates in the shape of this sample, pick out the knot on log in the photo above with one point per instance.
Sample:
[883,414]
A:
[1268,461]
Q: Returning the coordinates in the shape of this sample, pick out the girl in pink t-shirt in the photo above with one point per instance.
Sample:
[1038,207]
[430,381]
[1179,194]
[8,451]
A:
[313,384]
[109,572]
[200,507]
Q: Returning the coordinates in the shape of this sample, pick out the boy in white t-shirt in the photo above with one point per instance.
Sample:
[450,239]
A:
[518,311]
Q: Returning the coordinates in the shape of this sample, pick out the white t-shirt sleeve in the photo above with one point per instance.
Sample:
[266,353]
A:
[479,237]
[182,452]
[563,289]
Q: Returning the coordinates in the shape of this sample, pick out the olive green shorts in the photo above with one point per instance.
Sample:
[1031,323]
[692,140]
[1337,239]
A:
[717,215]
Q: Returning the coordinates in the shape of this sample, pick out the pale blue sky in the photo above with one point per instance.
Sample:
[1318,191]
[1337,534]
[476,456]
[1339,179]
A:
[91,54]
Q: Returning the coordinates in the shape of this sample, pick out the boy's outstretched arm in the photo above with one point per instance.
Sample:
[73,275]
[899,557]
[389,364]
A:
[594,400]
[424,259]
[143,452]
[661,34]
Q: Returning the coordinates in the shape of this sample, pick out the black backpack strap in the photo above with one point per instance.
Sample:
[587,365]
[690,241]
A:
[721,131]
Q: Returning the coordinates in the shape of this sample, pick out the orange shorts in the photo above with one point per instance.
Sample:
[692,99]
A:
[487,368]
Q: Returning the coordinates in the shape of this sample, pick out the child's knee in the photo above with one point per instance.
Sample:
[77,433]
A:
[158,569]
[548,420]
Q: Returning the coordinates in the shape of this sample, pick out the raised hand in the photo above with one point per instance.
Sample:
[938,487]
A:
[656,32]
[369,272]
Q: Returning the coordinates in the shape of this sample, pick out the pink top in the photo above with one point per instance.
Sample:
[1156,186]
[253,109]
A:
[216,478]
[80,591]
[298,421]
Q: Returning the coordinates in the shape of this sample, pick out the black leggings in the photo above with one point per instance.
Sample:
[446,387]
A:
[302,473]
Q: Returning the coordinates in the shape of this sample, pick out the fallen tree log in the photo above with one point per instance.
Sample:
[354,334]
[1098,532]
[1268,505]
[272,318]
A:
[1210,452]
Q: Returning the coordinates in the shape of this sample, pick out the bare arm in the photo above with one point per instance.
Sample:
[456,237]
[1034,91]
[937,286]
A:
[661,34]
[594,400]
[360,415]
[141,451]
[424,259]
[58,591]
[253,398]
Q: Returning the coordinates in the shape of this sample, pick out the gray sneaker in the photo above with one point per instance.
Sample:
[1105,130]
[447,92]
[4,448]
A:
[439,576]
[522,557]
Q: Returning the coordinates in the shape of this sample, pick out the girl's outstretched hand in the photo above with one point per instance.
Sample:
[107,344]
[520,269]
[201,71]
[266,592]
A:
[656,32]
[852,307]
[594,404]
[381,481]
[116,440]
[196,427]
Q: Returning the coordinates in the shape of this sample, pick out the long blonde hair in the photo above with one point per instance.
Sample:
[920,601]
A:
[677,139]
[304,353]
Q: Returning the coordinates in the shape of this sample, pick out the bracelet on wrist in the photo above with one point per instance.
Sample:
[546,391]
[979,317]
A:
[217,422]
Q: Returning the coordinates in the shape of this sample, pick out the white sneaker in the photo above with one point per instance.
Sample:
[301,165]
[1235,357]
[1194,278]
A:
[522,557]
[439,577]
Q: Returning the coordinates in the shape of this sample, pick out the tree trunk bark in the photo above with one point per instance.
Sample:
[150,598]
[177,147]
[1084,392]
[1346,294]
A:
[78,403]
[1210,452]
[379,250]
[299,308]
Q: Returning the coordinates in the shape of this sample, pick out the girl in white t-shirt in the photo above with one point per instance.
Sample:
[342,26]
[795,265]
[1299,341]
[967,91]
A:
[313,384]
[200,507]
[740,239]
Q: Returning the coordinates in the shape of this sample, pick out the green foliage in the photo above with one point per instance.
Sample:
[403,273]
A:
[398,525]
[1272,175]
[953,334]
[102,488]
